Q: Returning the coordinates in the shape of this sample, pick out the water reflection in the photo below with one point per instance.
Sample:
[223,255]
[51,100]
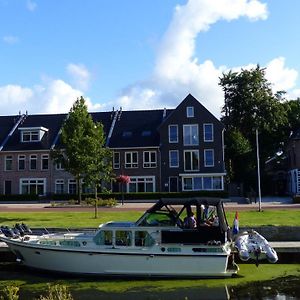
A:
[34,285]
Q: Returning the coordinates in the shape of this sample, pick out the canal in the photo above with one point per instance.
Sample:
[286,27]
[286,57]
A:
[279,281]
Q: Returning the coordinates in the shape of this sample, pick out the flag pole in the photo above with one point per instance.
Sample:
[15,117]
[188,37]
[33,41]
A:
[258,171]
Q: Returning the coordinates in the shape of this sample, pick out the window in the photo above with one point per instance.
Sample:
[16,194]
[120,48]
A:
[8,163]
[116,160]
[173,133]
[209,158]
[143,239]
[21,162]
[150,159]
[173,159]
[131,159]
[32,162]
[45,162]
[142,184]
[59,167]
[190,111]
[198,183]
[33,186]
[59,186]
[191,160]
[190,135]
[104,237]
[123,238]
[33,134]
[127,134]
[72,186]
[146,133]
[208,130]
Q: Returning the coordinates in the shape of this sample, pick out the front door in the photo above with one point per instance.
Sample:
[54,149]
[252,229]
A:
[7,187]
[173,184]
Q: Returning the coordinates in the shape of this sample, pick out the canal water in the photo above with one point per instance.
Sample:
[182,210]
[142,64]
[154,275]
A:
[34,284]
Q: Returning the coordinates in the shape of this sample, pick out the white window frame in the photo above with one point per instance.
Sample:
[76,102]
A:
[137,180]
[21,157]
[191,160]
[170,159]
[8,158]
[190,135]
[72,181]
[205,130]
[147,161]
[116,165]
[202,178]
[32,134]
[43,158]
[205,158]
[58,166]
[33,181]
[131,164]
[32,158]
[190,112]
[59,182]
[169,133]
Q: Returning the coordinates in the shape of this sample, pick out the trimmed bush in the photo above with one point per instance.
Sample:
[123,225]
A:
[18,197]
[296,199]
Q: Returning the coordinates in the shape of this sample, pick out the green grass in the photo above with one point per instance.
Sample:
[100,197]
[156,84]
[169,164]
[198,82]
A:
[86,219]
[267,217]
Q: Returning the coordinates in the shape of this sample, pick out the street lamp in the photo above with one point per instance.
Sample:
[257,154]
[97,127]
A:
[258,171]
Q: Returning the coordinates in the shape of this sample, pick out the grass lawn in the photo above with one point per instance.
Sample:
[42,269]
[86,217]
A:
[86,219]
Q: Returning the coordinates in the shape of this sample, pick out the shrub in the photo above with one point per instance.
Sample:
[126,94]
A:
[57,292]
[296,199]
[10,293]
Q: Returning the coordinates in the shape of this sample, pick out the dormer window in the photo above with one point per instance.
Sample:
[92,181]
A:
[32,134]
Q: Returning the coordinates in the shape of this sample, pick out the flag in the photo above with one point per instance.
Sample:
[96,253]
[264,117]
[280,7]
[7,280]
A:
[235,228]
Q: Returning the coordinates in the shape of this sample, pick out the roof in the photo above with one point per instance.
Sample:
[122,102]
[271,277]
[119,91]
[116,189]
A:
[6,125]
[137,128]
[52,122]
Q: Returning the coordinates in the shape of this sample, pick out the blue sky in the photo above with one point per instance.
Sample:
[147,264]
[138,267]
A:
[140,54]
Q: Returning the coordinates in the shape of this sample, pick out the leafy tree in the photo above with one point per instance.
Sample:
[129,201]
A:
[249,105]
[83,152]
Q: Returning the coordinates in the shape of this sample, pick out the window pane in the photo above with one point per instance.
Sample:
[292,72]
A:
[187,184]
[198,183]
[174,162]
[173,133]
[217,183]
[209,158]
[207,183]
[208,132]
[195,157]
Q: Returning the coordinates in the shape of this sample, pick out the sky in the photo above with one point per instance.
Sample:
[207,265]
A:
[136,54]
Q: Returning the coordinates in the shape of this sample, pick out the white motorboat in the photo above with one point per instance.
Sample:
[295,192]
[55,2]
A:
[158,244]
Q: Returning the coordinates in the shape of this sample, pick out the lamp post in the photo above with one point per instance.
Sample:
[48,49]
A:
[258,171]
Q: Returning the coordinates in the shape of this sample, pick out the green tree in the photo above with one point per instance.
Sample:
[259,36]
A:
[250,104]
[83,145]
[99,168]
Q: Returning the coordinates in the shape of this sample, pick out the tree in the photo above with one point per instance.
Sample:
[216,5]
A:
[100,164]
[83,146]
[249,105]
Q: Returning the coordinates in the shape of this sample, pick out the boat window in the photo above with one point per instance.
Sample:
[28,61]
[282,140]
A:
[143,238]
[103,237]
[68,243]
[123,238]
[158,219]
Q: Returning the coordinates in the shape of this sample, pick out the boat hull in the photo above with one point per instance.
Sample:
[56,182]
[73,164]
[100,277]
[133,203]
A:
[117,263]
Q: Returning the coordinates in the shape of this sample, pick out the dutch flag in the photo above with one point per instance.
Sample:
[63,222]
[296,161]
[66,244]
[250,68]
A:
[235,229]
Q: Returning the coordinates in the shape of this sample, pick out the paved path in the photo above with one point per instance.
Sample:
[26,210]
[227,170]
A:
[266,204]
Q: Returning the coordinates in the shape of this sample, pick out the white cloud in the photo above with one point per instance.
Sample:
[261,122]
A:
[80,75]
[10,39]
[31,5]
[53,96]
[281,77]
[177,71]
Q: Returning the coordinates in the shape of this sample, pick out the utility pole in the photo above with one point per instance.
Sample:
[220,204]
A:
[258,171]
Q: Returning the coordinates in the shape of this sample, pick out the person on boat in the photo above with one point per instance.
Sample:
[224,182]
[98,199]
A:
[190,221]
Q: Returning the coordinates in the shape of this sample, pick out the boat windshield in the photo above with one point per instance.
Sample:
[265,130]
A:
[158,218]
